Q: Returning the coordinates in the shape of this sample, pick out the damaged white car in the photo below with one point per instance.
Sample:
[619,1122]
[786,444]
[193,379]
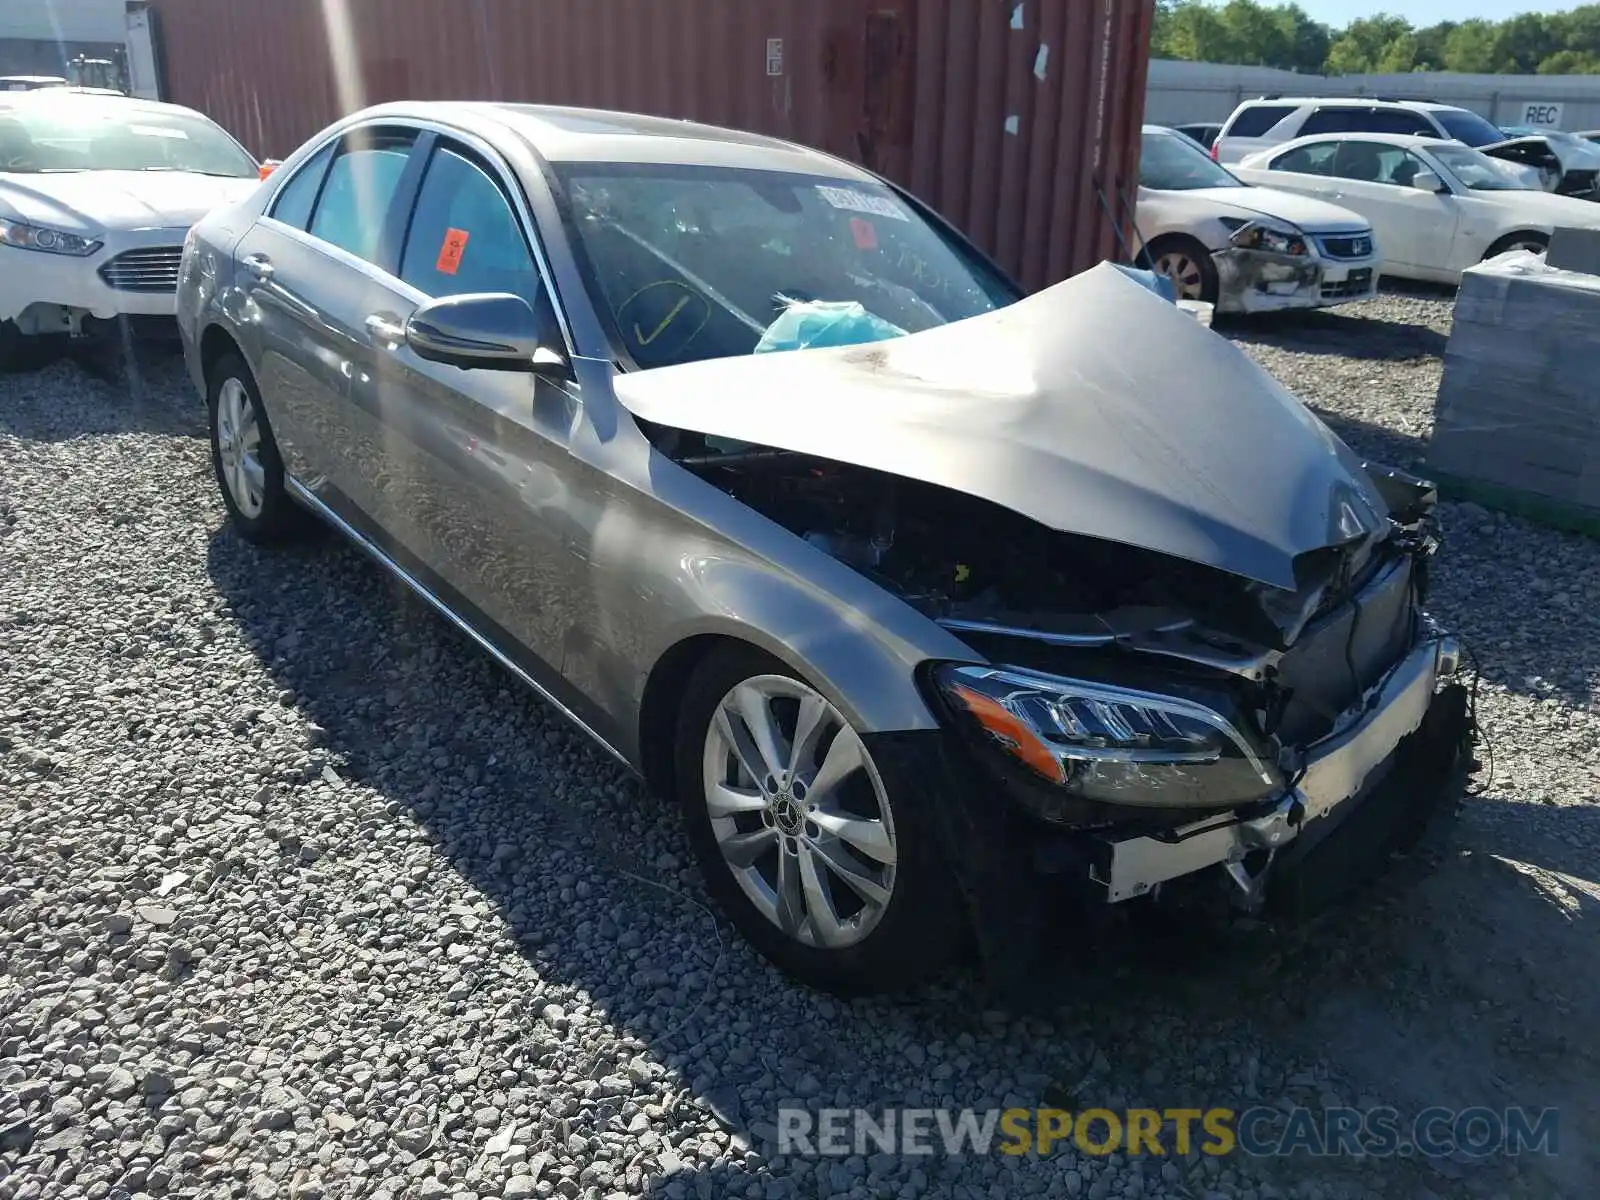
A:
[982,612]
[1565,163]
[1245,249]
[97,194]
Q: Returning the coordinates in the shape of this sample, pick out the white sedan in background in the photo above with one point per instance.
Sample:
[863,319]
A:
[1245,249]
[97,194]
[1437,207]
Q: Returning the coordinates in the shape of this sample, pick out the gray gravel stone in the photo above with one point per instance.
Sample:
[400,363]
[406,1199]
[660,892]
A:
[309,898]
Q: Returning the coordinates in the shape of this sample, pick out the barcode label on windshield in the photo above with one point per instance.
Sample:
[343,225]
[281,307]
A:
[864,202]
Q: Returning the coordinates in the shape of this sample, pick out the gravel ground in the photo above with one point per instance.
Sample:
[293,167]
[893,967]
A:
[302,897]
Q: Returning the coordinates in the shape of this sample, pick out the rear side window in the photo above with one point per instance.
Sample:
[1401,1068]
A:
[1337,120]
[1346,119]
[465,236]
[1308,160]
[293,203]
[1399,120]
[1254,120]
[361,184]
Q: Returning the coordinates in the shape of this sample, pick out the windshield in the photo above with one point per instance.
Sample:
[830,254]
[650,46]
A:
[80,134]
[1480,172]
[690,263]
[1173,164]
[1467,127]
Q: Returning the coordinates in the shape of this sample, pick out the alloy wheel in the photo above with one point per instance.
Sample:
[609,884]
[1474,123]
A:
[1184,272]
[239,447]
[799,812]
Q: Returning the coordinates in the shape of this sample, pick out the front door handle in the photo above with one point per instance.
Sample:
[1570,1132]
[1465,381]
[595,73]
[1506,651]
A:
[259,265]
[386,327]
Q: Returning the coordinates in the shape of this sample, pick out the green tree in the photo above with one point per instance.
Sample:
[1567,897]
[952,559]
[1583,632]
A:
[1399,56]
[1470,47]
[1347,56]
[1308,40]
[1570,62]
[1257,33]
[1282,35]
[1523,42]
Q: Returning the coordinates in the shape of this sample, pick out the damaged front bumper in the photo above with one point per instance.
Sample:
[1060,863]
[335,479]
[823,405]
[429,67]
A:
[1035,891]
[1339,772]
[1253,281]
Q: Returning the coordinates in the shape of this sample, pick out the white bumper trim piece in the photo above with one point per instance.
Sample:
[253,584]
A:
[1336,769]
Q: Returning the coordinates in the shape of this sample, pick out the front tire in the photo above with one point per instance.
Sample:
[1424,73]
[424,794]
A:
[834,880]
[245,457]
[1530,240]
[1188,264]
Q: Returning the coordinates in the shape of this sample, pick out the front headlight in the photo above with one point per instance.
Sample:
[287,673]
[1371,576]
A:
[41,237]
[1110,744]
[1275,239]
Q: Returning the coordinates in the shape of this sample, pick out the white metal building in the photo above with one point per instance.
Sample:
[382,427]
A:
[1181,92]
[40,37]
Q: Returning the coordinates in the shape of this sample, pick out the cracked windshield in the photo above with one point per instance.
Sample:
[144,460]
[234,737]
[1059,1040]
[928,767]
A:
[699,263]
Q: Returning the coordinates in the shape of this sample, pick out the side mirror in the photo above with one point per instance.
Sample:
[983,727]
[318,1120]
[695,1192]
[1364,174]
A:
[1427,181]
[488,331]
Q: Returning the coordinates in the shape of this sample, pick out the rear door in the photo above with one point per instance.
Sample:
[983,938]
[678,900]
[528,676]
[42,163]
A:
[475,463]
[308,267]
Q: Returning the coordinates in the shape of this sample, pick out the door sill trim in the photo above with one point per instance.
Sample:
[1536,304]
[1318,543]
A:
[307,497]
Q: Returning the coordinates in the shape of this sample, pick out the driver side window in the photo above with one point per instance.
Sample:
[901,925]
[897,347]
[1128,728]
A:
[465,236]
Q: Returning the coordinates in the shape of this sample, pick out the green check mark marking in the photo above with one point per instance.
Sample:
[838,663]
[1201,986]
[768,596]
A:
[659,329]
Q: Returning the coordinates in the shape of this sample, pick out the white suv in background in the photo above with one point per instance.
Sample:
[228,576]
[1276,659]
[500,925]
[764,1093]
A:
[1272,120]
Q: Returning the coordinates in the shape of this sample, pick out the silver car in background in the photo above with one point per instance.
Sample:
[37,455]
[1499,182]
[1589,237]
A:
[941,610]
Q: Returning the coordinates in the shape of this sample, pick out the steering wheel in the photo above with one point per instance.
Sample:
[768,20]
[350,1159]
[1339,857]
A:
[667,315]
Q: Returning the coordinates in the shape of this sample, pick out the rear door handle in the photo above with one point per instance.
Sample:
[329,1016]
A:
[259,265]
[386,327]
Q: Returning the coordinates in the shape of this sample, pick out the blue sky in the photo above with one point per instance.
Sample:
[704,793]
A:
[1428,12]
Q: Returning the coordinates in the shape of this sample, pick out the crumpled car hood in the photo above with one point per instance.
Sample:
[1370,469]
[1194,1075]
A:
[1093,407]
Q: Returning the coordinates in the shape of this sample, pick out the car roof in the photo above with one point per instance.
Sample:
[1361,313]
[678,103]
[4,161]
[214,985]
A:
[46,97]
[1406,141]
[1356,102]
[568,134]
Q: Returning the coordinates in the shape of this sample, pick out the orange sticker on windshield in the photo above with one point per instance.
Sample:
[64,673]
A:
[455,245]
[866,234]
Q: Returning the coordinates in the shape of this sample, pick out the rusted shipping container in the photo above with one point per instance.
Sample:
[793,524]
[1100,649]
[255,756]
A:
[1018,119]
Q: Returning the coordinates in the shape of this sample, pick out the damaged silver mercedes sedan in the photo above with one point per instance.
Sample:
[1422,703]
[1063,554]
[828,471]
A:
[943,612]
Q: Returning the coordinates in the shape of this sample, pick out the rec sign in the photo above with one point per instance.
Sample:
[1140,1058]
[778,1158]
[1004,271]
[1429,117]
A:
[1538,115]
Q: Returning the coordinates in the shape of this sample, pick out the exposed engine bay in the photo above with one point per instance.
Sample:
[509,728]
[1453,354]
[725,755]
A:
[1044,598]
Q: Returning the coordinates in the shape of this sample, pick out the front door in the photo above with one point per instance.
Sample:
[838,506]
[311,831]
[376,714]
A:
[1415,228]
[475,464]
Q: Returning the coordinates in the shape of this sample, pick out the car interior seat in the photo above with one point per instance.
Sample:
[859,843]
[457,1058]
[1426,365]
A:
[17,148]
[1361,161]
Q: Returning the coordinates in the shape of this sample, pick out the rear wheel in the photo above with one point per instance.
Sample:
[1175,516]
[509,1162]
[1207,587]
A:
[833,879]
[245,457]
[1529,240]
[1187,263]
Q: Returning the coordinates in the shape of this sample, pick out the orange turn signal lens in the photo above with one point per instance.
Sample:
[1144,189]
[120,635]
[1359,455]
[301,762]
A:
[267,168]
[1011,732]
